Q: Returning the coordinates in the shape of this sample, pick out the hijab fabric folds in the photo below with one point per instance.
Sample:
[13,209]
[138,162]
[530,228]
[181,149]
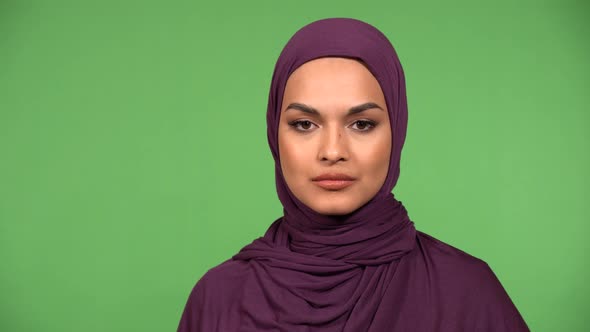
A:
[370,270]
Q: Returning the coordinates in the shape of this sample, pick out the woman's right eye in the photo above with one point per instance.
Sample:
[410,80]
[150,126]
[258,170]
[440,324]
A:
[301,125]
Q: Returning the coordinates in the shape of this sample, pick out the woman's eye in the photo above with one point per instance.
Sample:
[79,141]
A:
[302,125]
[306,125]
[364,125]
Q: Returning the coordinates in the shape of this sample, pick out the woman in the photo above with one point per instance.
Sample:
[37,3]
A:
[345,256]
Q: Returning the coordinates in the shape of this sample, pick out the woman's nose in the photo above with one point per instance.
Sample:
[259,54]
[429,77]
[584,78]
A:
[332,146]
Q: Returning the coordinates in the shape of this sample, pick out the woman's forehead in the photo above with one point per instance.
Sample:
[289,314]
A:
[331,64]
[329,82]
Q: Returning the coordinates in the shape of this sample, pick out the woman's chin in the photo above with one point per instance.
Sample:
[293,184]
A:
[334,206]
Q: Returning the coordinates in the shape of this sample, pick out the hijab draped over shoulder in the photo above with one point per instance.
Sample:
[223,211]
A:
[369,270]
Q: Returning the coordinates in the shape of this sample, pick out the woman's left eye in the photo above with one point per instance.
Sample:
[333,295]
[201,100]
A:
[364,125]
[301,125]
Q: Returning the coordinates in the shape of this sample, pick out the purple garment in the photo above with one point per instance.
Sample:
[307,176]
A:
[370,270]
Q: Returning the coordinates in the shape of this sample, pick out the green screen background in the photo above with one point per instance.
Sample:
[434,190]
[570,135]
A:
[133,152]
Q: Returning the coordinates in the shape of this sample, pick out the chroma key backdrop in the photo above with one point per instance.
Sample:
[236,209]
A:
[125,124]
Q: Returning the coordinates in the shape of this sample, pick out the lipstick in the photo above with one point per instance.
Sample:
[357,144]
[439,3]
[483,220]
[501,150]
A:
[333,181]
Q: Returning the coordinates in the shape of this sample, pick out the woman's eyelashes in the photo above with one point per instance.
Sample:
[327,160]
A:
[301,125]
[307,126]
[366,125]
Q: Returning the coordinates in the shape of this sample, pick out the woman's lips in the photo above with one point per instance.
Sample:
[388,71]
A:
[333,181]
[334,184]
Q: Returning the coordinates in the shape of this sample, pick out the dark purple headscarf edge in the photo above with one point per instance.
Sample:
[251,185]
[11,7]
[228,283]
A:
[331,37]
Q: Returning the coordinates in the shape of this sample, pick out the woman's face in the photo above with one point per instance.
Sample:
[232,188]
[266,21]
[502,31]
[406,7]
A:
[334,123]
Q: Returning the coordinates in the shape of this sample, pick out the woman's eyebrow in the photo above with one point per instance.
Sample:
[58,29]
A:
[353,110]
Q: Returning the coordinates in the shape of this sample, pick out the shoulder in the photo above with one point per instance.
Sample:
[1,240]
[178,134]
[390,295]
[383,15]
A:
[456,267]
[220,282]
[212,296]
[439,247]
[471,282]
[446,255]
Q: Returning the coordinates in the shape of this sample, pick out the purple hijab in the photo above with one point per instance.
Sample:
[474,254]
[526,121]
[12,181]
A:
[370,270]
